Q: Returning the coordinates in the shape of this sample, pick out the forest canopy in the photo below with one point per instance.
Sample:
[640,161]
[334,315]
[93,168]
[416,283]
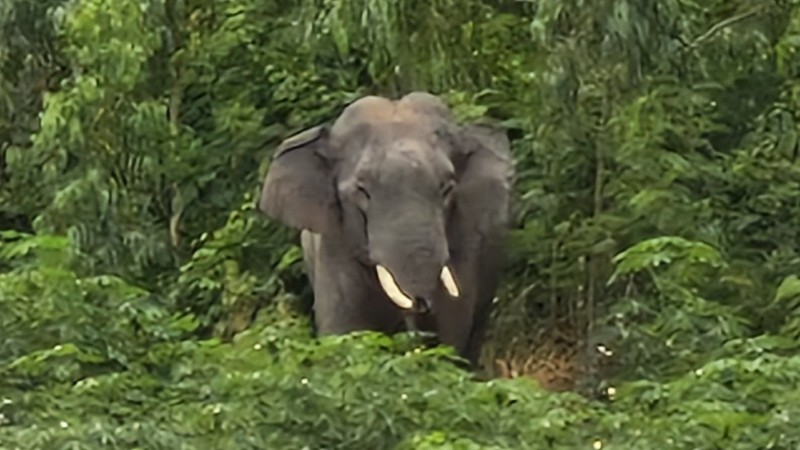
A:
[651,293]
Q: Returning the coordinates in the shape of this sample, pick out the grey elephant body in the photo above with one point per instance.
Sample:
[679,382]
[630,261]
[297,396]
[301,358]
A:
[397,185]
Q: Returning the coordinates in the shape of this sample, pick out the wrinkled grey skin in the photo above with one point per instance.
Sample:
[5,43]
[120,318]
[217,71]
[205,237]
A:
[396,183]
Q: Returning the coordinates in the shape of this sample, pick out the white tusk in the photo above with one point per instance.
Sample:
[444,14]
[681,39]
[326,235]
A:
[449,281]
[392,289]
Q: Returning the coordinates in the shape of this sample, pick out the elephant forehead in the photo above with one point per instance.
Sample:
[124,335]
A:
[370,108]
[367,110]
[406,160]
[376,111]
[409,151]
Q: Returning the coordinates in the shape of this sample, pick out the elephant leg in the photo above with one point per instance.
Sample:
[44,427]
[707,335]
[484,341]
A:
[480,322]
[454,322]
[491,255]
[463,326]
[463,321]
[346,297]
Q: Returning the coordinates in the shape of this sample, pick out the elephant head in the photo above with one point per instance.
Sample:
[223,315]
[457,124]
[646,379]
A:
[401,184]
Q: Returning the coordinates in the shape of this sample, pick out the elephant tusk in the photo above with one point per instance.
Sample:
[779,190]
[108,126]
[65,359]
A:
[392,289]
[449,281]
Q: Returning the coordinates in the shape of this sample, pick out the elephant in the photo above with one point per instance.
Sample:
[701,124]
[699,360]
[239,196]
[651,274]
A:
[402,214]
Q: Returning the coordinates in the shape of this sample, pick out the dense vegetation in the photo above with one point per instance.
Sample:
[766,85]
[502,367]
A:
[651,298]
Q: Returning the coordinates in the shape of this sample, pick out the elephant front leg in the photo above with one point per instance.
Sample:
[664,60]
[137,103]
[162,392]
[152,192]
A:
[346,299]
[454,324]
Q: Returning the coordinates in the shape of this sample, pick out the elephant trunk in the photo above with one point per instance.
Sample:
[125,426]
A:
[411,259]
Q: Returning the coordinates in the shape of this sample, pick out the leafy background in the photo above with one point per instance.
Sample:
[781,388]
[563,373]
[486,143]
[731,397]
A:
[651,297]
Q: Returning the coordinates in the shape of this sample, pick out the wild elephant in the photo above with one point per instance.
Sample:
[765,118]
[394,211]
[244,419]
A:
[403,215]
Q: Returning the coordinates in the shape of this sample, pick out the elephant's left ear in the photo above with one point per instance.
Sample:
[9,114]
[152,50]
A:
[486,173]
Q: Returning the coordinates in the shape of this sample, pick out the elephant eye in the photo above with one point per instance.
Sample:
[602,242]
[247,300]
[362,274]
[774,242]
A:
[447,189]
[361,197]
[363,191]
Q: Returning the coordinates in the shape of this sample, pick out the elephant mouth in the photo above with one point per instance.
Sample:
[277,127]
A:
[400,298]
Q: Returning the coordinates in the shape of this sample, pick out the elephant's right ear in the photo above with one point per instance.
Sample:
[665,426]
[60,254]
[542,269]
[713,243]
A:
[299,188]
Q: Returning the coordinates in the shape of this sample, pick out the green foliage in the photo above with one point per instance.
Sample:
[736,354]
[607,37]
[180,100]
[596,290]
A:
[145,303]
[141,381]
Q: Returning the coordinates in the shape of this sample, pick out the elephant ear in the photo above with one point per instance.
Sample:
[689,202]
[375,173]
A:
[485,170]
[299,188]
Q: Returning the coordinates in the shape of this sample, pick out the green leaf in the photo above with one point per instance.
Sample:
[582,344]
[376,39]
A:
[788,289]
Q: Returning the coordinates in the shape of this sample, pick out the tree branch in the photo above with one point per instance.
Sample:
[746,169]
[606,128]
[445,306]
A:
[719,26]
